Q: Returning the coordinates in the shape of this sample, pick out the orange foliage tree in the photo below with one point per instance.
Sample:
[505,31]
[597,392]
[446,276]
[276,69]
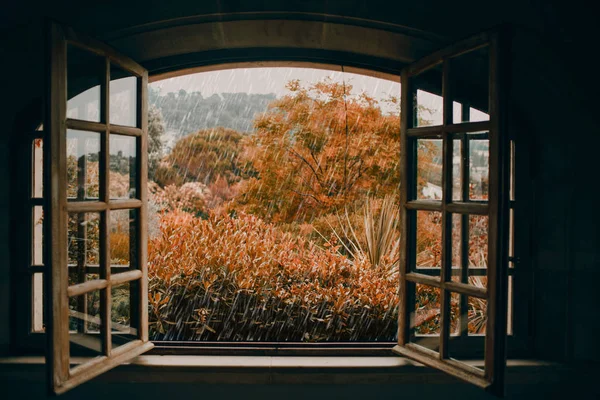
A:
[318,149]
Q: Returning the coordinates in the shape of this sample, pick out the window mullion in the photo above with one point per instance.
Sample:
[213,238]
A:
[446,271]
[105,295]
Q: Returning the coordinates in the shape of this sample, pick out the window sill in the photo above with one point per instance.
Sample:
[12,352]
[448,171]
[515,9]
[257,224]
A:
[278,370]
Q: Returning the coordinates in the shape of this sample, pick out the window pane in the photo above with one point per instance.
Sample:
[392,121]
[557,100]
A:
[479,169]
[123,97]
[122,309]
[427,243]
[37,189]
[37,302]
[469,76]
[83,157]
[471,269]
[469,343]
[84,325]
[426,316]
[37,256]
[83,238]
[121,235]
[429,106]
[85,73]
[457,165]
[123,170]
[429,169]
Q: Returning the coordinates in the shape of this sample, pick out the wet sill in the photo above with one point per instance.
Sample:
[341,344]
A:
[277,370]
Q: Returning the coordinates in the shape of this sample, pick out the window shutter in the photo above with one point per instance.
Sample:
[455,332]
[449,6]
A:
[468,72]
[96,208]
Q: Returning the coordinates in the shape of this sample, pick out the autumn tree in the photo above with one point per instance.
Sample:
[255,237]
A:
[156,130]
[319,149]
[204,156]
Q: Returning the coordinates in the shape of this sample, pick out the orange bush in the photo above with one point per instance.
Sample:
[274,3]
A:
[234,279]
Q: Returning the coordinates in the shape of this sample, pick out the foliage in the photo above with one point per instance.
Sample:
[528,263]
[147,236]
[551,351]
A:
[187,112]
[317,150]
[204,156]
[228,278]
[156,130]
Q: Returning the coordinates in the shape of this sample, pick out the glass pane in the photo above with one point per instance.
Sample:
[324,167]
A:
[121,235]
[428,242]
[83,238]
[426,316]
[429,169]
[429,106]
[479,169]
[37,302]
[457,110]
[478,250]
[469,76]
[37,186]
[472,269]
[123,97]
[454,314]
[477,314]
[509,326]
[84,325]
[469,344]
[37,256]
[511,233]
[512,170]
[85,73]
[83,157]
[122,309]
[457,164]
[123,172]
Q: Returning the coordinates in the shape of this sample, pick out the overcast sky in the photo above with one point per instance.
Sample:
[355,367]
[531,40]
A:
[271,80]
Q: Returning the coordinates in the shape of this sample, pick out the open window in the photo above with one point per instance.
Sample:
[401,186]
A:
[95,210]
[466,145]
[95,226]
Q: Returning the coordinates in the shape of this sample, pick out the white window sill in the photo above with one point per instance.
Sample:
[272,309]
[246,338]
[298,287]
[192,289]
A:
[277,370]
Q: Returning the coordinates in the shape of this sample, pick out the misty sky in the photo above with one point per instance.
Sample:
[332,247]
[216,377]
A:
[271,80]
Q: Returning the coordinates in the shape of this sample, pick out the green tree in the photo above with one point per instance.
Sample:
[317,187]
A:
[156,129]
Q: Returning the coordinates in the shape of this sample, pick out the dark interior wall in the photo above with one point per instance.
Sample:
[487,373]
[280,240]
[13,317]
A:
[553,104]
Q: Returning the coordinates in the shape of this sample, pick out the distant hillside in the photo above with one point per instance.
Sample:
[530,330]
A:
[184,113]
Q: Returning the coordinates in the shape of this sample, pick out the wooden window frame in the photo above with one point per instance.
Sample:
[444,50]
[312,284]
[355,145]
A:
[496,208]
[106,205]
[57,206]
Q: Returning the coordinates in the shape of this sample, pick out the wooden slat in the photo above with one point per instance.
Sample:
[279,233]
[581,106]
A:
[404,308]
[99,284]
[126,130]
[85,206]
[55,186]
[104,167]
[495,345]
[100,48]
[123,277]
[469,290]
[125,204]
[458,370]
[446,271]
[436,132]
[80,125]
[424,205]
[99,365]
[458,207]
[423,279]
[456,49]
[142,191]
[85,287]
[426,132]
